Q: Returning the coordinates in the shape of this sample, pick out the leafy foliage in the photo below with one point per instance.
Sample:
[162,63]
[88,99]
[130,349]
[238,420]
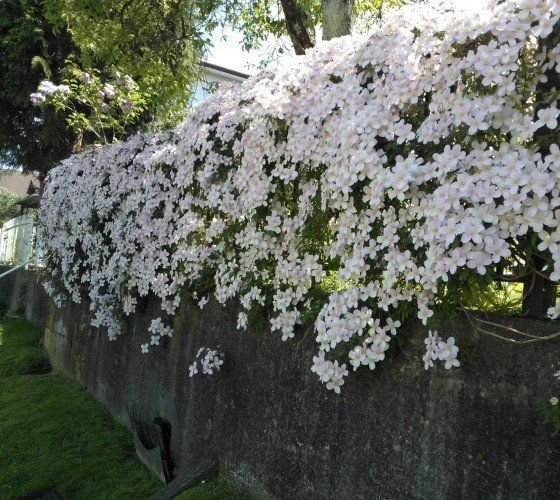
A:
[93,107]
[151,41]
[8,207]
[147,41]
[29,52]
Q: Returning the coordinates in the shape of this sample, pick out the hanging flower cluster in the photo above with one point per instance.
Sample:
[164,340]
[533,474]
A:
[437,349]
[359,186]
[210,361]
[47,89]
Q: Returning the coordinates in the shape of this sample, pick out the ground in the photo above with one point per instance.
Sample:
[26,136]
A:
[219,489]
[55,437]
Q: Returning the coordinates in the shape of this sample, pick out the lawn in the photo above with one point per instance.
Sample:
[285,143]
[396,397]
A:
[55,437]
[20,352]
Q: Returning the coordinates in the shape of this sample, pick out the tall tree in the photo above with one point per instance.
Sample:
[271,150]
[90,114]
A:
[29,52]
[108,67]
[338,17]
[296,19]
[298,26]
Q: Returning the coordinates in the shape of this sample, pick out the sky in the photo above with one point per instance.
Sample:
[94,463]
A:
[228,52]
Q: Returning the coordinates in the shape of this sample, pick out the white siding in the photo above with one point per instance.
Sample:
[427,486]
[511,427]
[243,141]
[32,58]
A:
[16,240]
[211,76]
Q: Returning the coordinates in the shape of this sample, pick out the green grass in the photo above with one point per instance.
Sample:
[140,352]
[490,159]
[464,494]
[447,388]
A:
[499,298]
[54,435]
[20,352]
[218,489]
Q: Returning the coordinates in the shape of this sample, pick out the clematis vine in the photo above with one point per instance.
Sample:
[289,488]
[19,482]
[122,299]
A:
[359,186]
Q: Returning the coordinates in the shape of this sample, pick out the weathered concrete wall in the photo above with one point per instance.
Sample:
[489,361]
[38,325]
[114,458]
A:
[21,291]
[399,432]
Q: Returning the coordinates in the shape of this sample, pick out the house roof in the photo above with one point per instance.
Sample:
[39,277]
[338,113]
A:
[214,68]
[19,182]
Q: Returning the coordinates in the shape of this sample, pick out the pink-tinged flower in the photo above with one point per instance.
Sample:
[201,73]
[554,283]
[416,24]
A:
[127,105]
[109,91]
[37,98]
[193,369]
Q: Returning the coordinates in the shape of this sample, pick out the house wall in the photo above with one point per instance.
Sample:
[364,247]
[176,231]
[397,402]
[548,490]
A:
[398,432]
[16,239]
[210,76]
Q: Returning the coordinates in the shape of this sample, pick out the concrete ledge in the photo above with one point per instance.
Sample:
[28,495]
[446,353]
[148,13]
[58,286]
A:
[203,471]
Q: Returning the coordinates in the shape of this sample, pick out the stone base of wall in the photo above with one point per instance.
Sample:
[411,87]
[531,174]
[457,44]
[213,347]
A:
[398,432]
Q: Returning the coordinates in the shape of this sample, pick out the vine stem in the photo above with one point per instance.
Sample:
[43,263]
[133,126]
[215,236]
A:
[532,338]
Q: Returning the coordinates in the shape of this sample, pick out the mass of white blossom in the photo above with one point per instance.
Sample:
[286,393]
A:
[353,186]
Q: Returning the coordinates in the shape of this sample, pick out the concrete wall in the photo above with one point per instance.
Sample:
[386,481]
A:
[399,432]
[21,292]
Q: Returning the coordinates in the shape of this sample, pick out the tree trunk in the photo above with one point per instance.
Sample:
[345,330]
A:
[540,293]
[338,17]
[297,24]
